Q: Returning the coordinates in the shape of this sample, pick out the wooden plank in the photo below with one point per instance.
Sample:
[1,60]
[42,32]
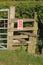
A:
[30,34]
[18,44]
[24,29]
[24,20]
[10,26]
[21,42]
[28,20]
[20,36]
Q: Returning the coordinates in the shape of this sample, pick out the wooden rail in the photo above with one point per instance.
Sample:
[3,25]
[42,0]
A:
[20,36]
[24,29]
[24,20]
[29,34]
[21,42]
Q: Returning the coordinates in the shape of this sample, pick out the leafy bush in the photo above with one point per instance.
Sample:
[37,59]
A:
[25,9]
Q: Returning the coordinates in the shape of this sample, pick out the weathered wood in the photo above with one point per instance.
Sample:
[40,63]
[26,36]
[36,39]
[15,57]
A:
[18,44]
[30,45]
[32,36]
[24,29]
[29,34]
[20,36]
[24,20]
[34,39]
[12,12]
[35,32]
[23,41]
[10,26]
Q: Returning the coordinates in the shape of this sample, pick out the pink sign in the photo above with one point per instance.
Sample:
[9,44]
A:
[20,24]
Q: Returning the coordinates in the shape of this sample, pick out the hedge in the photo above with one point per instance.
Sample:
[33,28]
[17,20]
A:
[25,9]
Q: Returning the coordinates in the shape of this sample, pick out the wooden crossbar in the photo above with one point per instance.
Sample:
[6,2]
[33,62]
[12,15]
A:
[30,34]
[24,29]
[20,36]
[23,41]
[24,20]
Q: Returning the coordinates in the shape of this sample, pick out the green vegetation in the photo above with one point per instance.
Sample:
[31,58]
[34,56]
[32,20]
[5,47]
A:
[19,58]
[25,9]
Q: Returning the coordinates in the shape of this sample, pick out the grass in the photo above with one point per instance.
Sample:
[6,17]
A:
[19,57]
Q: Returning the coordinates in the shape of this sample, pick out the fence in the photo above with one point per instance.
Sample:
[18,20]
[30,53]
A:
[27,36]
[29,33]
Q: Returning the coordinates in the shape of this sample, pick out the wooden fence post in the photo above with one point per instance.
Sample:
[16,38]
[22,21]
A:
[10,27]
[32,45]
[35,32]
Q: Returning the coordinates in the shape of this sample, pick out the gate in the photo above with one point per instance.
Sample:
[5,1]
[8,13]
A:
[11,37]
[4,16]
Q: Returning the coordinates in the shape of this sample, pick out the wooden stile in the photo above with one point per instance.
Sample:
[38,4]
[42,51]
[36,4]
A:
[31,36]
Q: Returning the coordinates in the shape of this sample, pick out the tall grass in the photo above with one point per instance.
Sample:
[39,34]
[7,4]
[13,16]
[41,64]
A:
[19,57]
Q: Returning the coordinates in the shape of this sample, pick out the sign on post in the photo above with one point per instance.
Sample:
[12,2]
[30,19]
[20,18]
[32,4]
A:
[20,24]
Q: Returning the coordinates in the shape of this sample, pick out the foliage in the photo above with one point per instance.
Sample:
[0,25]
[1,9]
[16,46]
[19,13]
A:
[39,46]
[40,13]
[25,9]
